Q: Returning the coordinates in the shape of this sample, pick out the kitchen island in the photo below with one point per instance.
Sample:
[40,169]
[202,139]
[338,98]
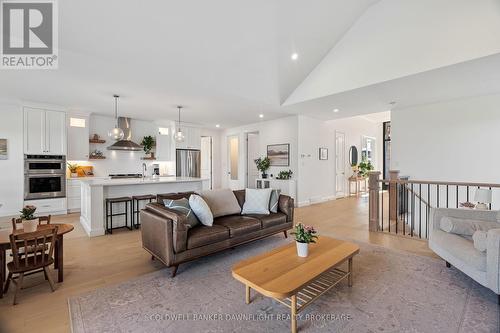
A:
[95,191]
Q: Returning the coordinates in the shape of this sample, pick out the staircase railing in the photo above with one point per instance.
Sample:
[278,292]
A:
[402,206]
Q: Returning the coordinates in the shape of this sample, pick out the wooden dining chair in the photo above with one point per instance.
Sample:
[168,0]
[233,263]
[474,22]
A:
[41,220]
[33,253]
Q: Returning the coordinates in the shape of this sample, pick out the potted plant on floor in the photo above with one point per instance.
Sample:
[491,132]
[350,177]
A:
[263,165]
[73,169]
[147,144]
[30,222]
[304,234]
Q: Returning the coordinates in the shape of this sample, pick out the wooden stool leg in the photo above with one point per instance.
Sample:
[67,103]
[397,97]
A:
[350,278]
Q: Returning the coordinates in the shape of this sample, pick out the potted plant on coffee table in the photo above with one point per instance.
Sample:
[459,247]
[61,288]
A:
[304,234]
[30,222]
[263,165]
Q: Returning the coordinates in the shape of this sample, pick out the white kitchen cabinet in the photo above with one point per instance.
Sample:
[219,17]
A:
[44,132]
[56,206]
[73,194]
[165,146]
[192,138]
[78,137]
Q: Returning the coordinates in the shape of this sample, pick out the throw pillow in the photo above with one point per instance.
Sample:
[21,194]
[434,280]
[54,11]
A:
[256,201]
[221,202]
[480,240]
[465,227]
[182,206]
[201,210]
[273,203]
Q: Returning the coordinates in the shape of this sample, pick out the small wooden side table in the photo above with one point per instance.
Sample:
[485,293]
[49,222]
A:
[357,180]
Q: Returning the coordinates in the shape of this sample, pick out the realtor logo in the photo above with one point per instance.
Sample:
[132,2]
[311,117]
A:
[29,34]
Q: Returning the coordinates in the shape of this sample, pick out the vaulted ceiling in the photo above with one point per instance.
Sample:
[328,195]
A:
[228,61]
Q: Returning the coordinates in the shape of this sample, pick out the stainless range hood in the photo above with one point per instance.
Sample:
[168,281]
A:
[126,143]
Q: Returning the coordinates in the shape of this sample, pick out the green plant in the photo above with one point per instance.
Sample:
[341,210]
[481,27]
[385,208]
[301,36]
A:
[27,212]
[262,164]
[147,143]
[304,233]
[73,167]
[285,174]
[364,167]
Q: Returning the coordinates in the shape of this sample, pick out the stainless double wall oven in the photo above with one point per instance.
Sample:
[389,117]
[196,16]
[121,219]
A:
[44,176]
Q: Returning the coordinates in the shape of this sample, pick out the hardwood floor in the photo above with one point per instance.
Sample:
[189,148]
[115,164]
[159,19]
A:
[91,263]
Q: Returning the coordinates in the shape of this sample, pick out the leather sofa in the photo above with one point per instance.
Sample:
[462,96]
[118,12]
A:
[167,237]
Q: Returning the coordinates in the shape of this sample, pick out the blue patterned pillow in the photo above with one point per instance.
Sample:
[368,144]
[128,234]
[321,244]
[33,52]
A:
[182,206]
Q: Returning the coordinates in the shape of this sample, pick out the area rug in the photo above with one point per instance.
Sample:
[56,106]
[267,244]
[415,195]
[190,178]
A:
[393,292]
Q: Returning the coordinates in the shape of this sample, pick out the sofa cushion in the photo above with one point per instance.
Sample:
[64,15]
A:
[238,225]
[203,235]
[182,206]
[201,210]
[256,201]
[270,220]
[222,202]
[460,248]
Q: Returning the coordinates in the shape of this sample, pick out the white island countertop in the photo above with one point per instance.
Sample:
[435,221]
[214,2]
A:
[139,181]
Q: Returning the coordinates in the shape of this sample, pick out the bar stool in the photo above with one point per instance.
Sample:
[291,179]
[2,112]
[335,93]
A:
[109,212]
[136,203]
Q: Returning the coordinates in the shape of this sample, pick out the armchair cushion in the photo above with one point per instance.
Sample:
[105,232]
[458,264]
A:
[480,240]
[465,227]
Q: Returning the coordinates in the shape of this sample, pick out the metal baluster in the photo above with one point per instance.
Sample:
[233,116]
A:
[437,196]
[467,193]
[412,209]
[420,211]
[382,210]
[427,212]
[447,197]
[491,200]
[457,196]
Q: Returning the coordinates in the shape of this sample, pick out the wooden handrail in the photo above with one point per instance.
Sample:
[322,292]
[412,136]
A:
[430,182]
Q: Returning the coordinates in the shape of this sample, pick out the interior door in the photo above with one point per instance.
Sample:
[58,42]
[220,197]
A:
[206,159]
[340,179]
[252,155]
[233,154]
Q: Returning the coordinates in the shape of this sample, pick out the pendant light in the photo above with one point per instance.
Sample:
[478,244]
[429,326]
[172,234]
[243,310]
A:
[178,135]
[116,133]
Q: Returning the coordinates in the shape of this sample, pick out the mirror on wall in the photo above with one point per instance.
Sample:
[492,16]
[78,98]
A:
[353,155]
[368,149]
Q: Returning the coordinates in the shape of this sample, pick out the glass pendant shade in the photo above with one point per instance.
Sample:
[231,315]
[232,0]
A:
[116,134]
[179,136]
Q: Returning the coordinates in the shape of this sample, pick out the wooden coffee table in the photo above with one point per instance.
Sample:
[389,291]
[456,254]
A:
[294,281]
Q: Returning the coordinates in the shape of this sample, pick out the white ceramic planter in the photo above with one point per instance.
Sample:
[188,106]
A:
[74,175]
[302,249]
[30,225]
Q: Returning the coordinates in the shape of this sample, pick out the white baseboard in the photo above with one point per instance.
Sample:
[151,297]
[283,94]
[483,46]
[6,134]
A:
[91,233]
[316,200]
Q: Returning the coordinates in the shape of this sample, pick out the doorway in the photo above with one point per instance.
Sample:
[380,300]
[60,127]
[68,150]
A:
[340,180]
[252,154]
[206,159]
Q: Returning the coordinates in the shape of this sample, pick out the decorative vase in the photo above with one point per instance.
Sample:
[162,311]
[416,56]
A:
[30,225]
[264,176]
[302,249]
[152,155]
[74,175]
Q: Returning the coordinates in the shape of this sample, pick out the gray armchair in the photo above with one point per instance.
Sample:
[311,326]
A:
[483,267]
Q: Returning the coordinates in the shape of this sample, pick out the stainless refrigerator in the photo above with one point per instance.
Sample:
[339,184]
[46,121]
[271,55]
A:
[188,163]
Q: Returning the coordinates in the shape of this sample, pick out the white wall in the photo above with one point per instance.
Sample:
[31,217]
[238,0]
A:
[284,130]
[12,169]
[450,141]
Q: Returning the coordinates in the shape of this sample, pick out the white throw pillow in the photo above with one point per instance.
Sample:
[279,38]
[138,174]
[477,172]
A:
[480,240]
[273,203]
[201,210]
[256,201]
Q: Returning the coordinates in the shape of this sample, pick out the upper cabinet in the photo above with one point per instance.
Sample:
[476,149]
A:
[78,137]
[192,138]
[44,132]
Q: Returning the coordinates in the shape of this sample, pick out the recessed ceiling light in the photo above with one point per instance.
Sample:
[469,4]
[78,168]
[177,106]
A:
[217,125]
[336,110]
[294,56]
[261,115]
